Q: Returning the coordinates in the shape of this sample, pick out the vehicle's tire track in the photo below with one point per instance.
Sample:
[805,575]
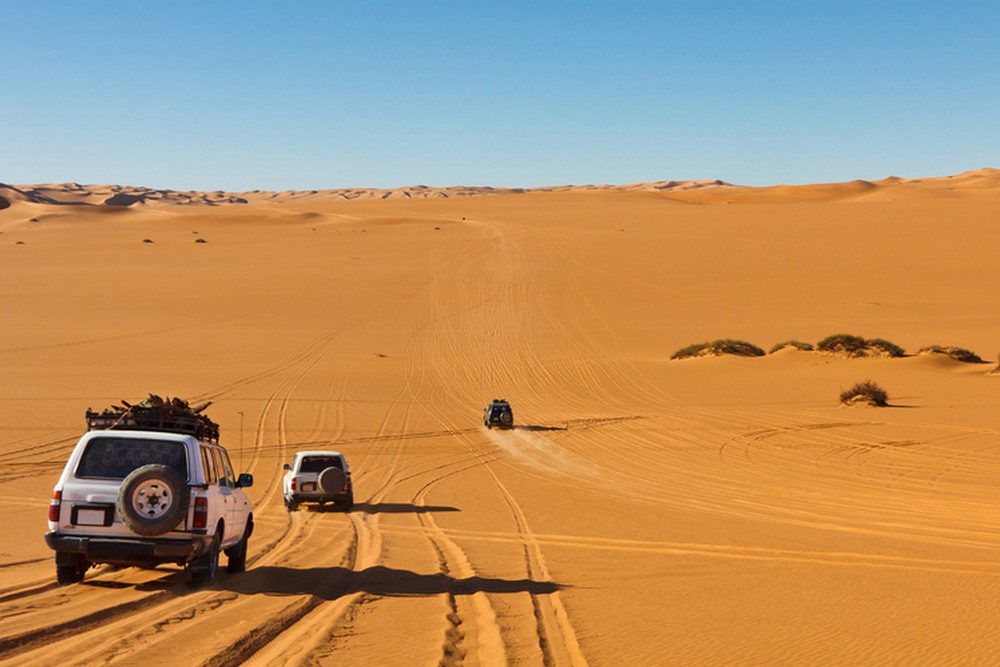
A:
[144,612]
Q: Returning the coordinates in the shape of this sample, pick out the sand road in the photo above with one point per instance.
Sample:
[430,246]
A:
[644,511]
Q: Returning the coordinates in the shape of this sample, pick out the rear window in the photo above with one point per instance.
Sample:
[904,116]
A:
[320,463]
[115,458]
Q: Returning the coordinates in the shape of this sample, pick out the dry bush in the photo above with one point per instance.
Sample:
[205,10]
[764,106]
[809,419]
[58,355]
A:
[856,346]
[718,347]
[885,347]
[865,392]
[956,353]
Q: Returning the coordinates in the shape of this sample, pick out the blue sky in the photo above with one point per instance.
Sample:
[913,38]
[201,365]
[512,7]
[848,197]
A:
[304,95]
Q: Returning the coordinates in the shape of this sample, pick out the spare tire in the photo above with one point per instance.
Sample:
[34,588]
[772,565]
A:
[152,500]
[332,480]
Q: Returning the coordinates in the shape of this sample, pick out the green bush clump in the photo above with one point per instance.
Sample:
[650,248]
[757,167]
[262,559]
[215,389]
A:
[865,392]
[718,347]
[889,349]
[956,353]
[852,346]
[797,344]
[856,346]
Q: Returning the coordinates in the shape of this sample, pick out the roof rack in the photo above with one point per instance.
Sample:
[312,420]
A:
[173,415]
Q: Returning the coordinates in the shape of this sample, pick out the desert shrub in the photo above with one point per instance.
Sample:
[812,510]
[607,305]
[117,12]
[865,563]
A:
[852,346]
[797,344]
[867,392]
[856,346]
[890,349]
[717,347]
[956,353]
[690,351]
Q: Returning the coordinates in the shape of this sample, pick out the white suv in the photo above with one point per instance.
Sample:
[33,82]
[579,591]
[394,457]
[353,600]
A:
[318,477]
[146,497]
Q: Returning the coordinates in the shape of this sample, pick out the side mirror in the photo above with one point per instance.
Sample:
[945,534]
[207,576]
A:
[286,467]
[245,480]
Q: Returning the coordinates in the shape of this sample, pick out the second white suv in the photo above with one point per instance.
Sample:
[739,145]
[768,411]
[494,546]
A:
[318,477]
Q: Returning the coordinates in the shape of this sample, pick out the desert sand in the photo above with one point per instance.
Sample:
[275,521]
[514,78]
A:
[644,511]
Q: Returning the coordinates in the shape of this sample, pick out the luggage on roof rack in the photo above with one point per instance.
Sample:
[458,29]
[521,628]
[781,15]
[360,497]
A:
[173,415]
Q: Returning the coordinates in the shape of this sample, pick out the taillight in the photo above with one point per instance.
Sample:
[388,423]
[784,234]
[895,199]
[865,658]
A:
[349,486]
[293,484]
[200,512]
[54,505]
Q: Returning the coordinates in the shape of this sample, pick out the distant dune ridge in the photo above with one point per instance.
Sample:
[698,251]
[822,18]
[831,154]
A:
[704,191]
[125,196]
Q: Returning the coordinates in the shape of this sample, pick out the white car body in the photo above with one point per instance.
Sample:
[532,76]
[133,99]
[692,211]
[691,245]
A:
[302,481]
[86,524]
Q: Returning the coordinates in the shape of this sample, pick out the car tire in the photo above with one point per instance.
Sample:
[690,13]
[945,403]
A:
[204,569]
[347,503]
[332,480]
[73,572]
[238,553]
[152,500]
[291,505]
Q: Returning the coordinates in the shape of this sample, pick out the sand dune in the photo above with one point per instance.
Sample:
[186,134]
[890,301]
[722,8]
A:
[711,510]
[697,191]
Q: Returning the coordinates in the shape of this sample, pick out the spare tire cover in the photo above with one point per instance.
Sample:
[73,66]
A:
[332,480]
[152,500]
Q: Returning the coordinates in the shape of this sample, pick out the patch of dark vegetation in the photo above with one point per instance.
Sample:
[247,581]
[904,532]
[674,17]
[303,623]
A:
[856,346]
[200,241]
[719,347]
[797,344]
[885,347]
[852,346]
[865,393]
[147,240]
[956,353]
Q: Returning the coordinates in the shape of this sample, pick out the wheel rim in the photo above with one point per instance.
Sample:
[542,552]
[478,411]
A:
[152,499]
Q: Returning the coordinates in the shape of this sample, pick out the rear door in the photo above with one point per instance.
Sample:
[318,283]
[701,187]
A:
[215,487]
[237,505]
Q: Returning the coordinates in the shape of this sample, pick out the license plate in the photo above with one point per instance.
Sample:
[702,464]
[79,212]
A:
[89,517]
[309,487]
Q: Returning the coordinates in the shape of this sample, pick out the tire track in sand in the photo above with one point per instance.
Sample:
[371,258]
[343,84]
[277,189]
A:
[137,626]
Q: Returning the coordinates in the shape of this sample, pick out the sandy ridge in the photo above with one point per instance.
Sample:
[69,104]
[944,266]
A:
[704,191]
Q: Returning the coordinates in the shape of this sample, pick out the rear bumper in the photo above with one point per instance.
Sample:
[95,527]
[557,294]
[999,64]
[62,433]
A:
[321,497]
[128,551]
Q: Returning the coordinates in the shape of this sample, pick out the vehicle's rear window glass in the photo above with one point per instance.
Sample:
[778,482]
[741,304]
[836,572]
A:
[115,458]
[320,463]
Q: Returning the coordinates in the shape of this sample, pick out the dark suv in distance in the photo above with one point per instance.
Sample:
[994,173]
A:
[498,413]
